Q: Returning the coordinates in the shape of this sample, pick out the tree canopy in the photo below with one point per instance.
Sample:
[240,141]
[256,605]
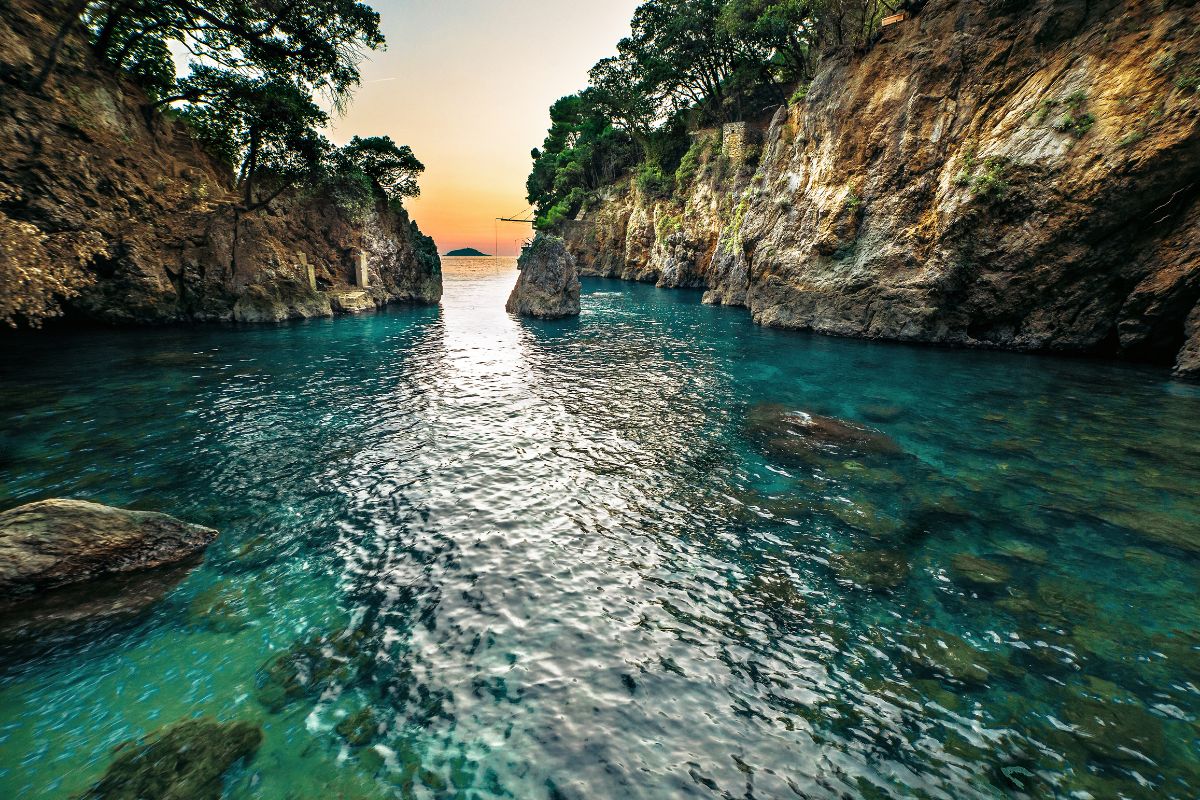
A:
[257,72]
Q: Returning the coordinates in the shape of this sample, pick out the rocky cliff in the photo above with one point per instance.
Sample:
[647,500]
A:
[547,282]
[124,212]
[1021,174]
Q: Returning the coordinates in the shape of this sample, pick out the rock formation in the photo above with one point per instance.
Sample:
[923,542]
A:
[143,224]
[548,286]
[184,761]
[53,543]
[1020,174]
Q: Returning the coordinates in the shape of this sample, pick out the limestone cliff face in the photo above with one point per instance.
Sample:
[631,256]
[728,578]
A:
[153,216]
[1022,174]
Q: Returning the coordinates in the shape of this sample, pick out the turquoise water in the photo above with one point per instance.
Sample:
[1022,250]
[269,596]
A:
[600,558]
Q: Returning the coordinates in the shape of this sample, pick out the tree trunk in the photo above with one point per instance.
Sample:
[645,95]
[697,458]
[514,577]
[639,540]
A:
[64,30]
[251,166]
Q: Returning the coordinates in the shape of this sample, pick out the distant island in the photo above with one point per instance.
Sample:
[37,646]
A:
[466,251]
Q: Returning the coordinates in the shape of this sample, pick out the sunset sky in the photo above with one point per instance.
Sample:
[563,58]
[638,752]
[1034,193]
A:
[467,84]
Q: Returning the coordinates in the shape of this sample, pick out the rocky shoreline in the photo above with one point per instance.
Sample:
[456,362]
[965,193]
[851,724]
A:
[138,225]
[980,178]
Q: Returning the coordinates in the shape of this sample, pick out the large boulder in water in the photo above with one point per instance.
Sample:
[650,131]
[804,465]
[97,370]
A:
[548,286]
[54,543]
[185,761]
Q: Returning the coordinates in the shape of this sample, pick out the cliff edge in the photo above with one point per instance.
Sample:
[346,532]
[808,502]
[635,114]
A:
[1019,174]
[109,208]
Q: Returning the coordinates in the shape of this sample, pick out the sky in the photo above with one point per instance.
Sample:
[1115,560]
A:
[468,85]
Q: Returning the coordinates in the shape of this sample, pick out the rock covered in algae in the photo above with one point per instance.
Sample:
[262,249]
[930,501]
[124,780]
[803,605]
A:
[54,543]
[979,573]
[1114,725]
[308,666]
[874,570]
[548,286]
[949,656]
[184,761]
[358,728]
[800,435]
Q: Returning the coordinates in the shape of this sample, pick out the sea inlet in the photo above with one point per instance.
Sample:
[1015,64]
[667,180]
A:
[655,551]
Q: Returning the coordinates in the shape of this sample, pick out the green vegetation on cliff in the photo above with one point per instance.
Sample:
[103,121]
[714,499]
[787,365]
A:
[686,64]
[251,92]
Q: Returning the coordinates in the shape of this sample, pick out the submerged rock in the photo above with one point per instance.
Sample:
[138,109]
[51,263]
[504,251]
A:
[949,656]
[82,609]
[799,435]
[548,286]
[53,543]
[1114,725]
[874,570]
[185,761]
[879,412]
[308,666]
[979,573]
[358,728]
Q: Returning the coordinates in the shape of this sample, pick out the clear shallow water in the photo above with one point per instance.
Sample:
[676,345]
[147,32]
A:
[584,559]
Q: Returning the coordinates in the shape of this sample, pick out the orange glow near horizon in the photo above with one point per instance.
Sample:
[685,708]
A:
[468,84]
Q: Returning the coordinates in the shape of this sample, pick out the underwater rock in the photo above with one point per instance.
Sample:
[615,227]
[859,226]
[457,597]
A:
[185,761]
[1157,526]
[53,543]
[81,610]
[1024,552]
[548,286]
[777,593]
[949,656]
[1064,601]
[792,434]
[224,608]
[874,570]
[877,412]
[1113,724]
[979,573]
[864,517]
[308,666]
[359,728]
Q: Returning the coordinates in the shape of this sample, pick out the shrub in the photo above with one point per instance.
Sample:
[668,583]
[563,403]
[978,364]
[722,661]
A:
[990,183]
[800,95]
[653,182]
[691,162]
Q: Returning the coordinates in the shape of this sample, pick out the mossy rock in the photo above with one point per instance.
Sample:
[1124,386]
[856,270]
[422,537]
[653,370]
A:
[880,412]
[864,517]
[1024,552]
[1114,725]
[979,573]
[790,434]
[359,728]
[950,657]
[873,570]
[185,761]
[308,666]
[1065,600]
[777,593]
[223,608]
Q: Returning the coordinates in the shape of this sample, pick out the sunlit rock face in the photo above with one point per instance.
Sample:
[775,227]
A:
[54,543]
[1014,175]
[548,284]
[153,218]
